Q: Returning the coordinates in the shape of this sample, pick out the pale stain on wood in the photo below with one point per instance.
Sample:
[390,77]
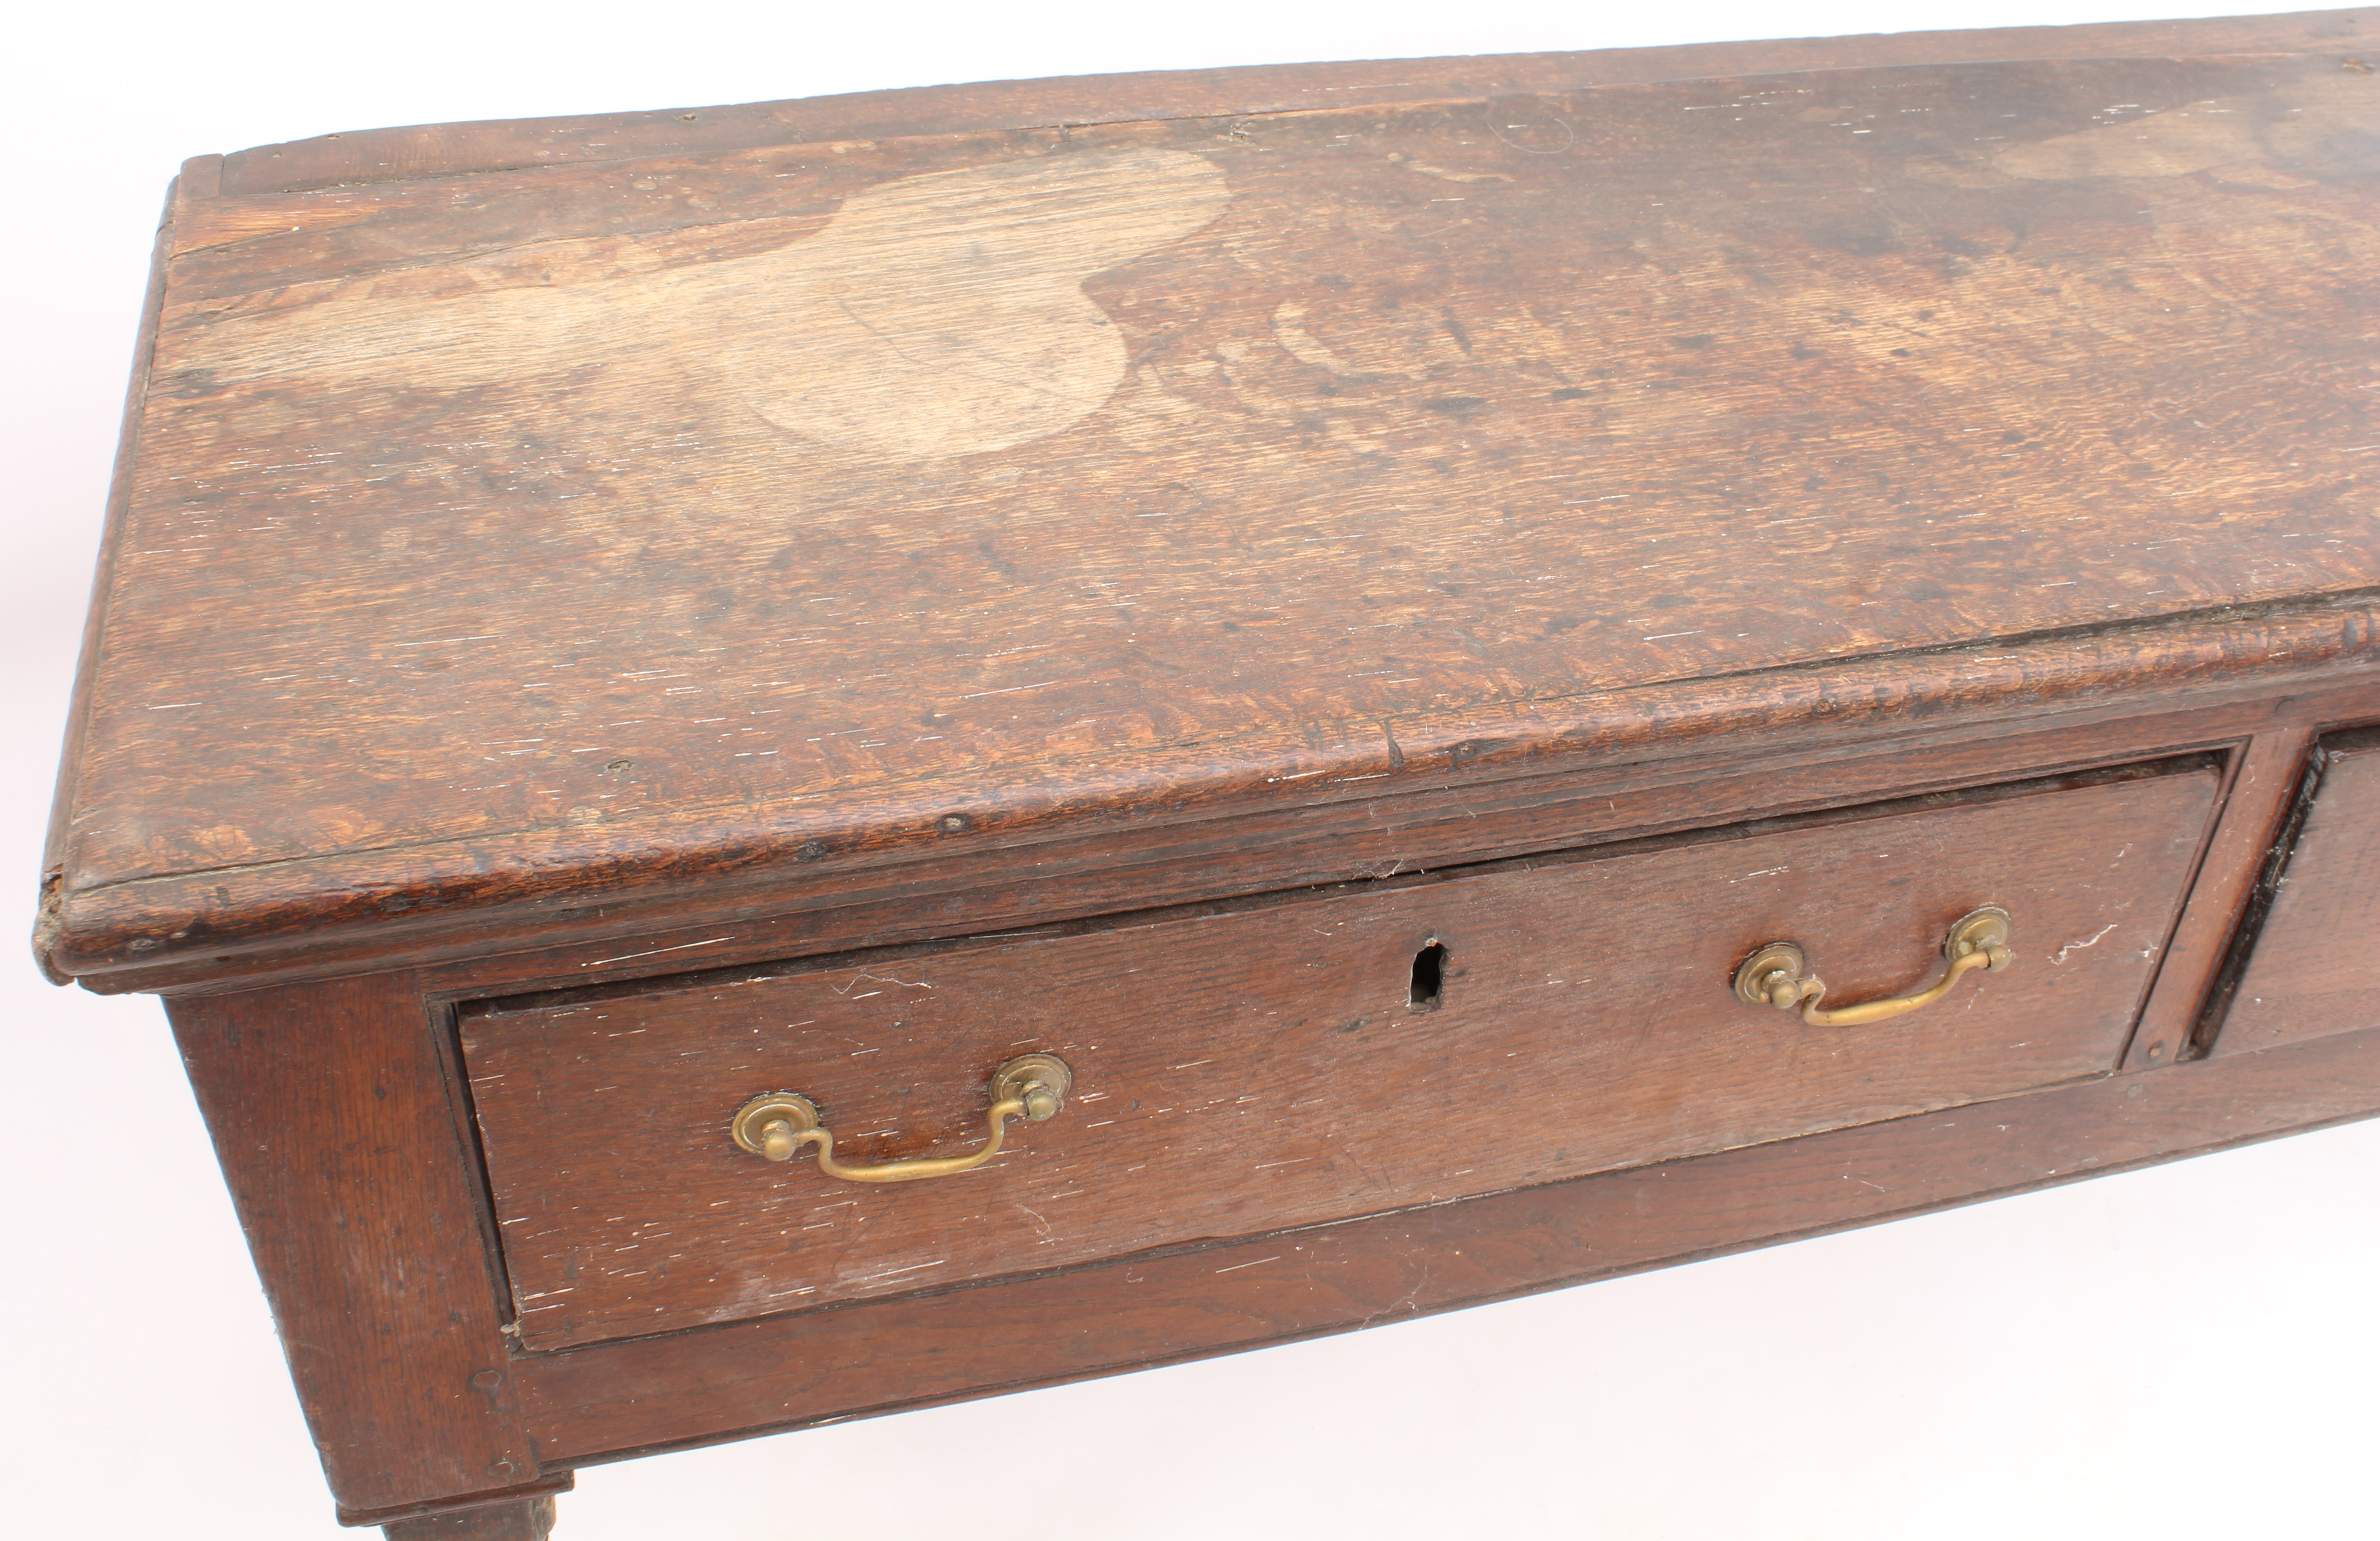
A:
[1450,413]
[359,610]
[934,315]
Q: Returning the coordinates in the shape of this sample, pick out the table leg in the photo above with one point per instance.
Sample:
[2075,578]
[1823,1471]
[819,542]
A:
[526,1520]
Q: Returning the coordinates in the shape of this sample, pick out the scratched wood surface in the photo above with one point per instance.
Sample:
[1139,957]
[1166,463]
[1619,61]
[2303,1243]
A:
[486,535]
[2302,974]
[818,1366]
[882,519]
[1266,1067]
[331,1116]
[1684,755]
[382,154]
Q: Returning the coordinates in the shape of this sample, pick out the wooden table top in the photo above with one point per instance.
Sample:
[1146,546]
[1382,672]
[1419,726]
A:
[517,513]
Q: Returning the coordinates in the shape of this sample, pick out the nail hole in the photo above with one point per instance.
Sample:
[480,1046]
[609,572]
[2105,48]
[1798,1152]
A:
[1428,976]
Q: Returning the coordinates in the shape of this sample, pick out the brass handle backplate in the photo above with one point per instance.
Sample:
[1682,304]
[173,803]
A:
[1775,976]
[776,1125]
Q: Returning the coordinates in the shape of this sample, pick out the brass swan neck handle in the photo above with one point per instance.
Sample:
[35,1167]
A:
[1775,976]
[776,1125]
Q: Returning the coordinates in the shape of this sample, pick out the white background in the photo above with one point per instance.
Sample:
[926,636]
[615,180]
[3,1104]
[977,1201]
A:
[2182,1352]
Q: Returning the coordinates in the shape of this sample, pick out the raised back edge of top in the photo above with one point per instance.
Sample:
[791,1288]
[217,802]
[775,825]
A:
[460,148]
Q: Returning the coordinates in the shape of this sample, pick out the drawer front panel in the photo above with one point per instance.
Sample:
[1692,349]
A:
[1266,1066]
[2307,976]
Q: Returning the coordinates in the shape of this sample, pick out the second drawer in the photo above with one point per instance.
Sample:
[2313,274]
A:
[1309,1058]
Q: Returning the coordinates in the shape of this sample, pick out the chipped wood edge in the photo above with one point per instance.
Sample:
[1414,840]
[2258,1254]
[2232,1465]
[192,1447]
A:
[49,918]
[119,935]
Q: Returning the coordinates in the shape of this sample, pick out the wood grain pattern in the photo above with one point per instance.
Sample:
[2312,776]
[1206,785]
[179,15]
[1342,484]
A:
[330,1113]
[1889,742]
[531,1520]
[2259,777]
[933,315]
[619,1399]
[549,556]
[2304,976]
[387,154]
[1264,1067]
[1462,422]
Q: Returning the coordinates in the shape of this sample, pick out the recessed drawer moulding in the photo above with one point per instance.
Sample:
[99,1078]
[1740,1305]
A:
[790,760]
[2300,970]
[1288,1064]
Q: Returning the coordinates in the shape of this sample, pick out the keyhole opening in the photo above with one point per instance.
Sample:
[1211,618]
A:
[1428,978]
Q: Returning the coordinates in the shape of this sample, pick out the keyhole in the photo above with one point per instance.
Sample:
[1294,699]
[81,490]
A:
[1428,976]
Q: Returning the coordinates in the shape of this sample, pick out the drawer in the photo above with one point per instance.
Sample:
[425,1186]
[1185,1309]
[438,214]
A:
[2300,974]
[1302,1059]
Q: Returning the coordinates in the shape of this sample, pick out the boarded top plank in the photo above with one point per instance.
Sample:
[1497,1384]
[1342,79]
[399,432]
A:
[430,150]
[502,536]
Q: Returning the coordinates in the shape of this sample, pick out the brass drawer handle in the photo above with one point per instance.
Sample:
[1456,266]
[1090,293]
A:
[777,1124]
[1774,976]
